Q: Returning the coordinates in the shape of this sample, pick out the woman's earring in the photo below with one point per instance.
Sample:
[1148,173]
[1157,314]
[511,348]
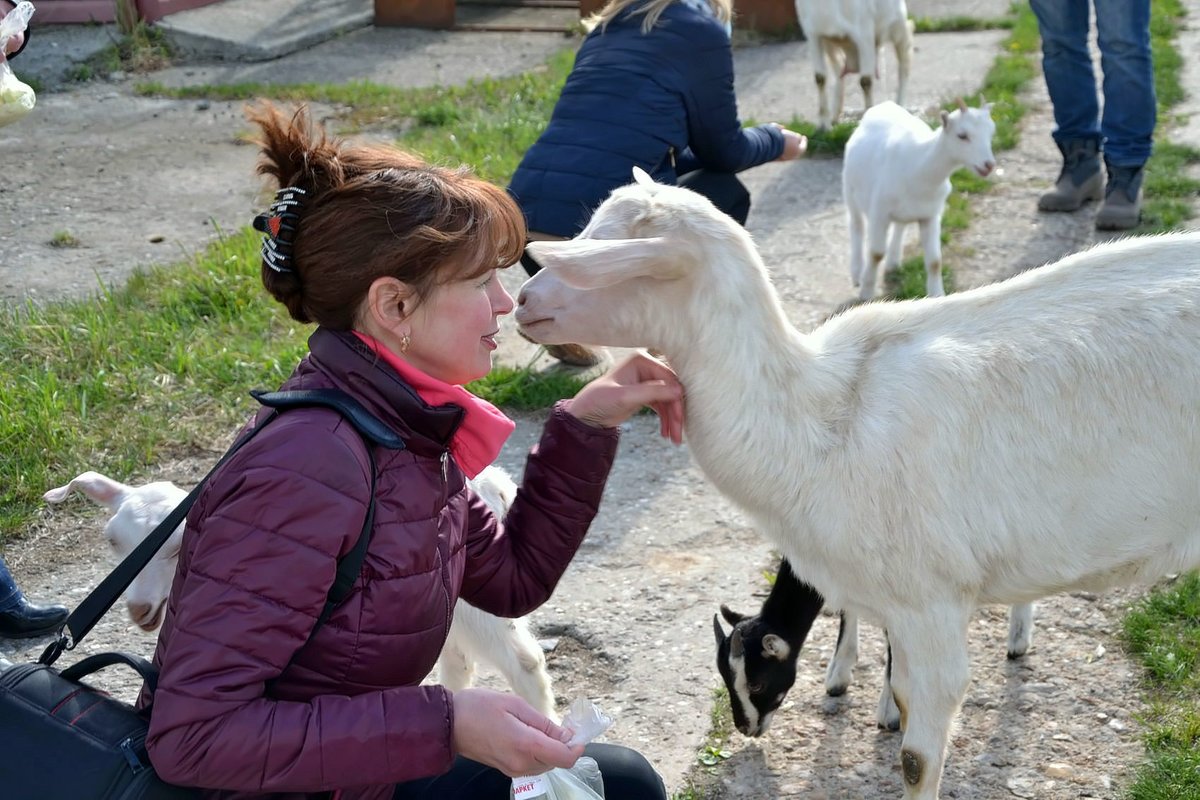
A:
[405,341]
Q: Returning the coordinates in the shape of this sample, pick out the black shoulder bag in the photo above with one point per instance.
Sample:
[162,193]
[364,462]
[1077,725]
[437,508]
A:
[61,739]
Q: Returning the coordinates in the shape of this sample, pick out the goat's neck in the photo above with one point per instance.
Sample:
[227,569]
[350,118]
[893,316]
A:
[792,606]
[748,375]
[934,163]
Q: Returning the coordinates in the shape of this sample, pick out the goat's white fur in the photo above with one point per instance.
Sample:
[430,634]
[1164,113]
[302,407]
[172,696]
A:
[845,36]
[914,460]
[506,644]
[897,171]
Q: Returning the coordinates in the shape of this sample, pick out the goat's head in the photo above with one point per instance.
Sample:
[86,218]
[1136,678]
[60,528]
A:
[647,247]
[967,134]
[758,667]
[135,513]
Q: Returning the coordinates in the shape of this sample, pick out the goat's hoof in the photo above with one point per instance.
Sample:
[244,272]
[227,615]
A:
[1013,655]
[837,690]
[889,724]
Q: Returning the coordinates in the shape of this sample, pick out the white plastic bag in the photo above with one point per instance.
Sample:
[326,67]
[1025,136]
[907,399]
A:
[582,781]
[16,98]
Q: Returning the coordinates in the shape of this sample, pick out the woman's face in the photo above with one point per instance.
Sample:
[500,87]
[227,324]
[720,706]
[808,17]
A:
[453,330]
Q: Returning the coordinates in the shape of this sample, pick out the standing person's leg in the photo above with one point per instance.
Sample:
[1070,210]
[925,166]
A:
[1071,83]
[1130,107]
[626,773]
[20,619]
[724,190]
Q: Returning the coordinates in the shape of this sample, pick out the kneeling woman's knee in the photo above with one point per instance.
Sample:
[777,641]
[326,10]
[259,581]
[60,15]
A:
[626,773]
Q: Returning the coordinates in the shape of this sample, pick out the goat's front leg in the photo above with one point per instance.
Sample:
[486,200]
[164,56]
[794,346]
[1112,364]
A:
[845,656]
[887,713]
[895,249]
[456,668]
[1020,629]
[931,242]
[858,240]
[902,39]
[821,76]
[877,230]
[929,679]
[868,60]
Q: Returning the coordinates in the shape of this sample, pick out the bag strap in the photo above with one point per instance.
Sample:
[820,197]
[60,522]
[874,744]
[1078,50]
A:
[85,616]
[86,666]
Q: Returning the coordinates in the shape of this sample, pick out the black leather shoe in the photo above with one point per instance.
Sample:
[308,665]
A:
[27,620]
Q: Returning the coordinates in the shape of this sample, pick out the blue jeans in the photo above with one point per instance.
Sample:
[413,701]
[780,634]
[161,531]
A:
[10,595]
[1126,129]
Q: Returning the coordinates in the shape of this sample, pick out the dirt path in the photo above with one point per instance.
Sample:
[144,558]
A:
[632,618]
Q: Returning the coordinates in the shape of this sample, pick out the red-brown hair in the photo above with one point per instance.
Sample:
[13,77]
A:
[373,211]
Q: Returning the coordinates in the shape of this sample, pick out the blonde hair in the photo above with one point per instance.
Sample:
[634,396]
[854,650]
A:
[652,9]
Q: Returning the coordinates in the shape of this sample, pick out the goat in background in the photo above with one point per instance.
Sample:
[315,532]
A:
[844,37]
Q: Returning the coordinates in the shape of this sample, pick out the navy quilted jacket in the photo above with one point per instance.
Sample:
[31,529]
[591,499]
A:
[638,99]
[258,557]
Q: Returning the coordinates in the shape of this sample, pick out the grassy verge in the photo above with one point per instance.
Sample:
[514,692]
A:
[488,123]
[1163,631]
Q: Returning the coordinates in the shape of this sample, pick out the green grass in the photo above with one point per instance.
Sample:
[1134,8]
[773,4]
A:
[1170,192]
[1163,632]
[488,123]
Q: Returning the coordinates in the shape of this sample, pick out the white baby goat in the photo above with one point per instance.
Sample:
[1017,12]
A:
[915,460]
[506,644]
[847,35]
[897,171]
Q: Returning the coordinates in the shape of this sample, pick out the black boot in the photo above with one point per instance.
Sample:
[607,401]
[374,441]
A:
[1080,179]
[27,620]
[1122,199]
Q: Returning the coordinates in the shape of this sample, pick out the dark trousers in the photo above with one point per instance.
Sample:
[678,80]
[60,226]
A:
[723,188]
[627,776]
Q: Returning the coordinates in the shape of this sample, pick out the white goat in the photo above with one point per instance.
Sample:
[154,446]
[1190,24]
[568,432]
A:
[506,644]
[915,460]
[897,171]
[847,35]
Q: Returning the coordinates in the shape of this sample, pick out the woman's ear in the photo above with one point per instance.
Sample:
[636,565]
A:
[389,303]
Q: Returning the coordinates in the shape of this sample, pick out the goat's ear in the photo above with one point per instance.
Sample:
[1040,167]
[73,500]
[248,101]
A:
[718,631]
[736,649]
[642,178]
[731,616]
[945,120]
[596,263]
[102,489]
[775,647]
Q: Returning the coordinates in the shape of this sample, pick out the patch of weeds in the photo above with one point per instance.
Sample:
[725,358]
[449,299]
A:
[524,389]
[960,24]
[488,123]
[64,239]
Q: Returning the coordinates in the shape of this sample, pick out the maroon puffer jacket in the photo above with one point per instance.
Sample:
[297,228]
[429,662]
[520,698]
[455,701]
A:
[259,554]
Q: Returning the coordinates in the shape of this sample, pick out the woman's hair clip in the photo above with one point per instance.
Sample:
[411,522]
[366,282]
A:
[279,224]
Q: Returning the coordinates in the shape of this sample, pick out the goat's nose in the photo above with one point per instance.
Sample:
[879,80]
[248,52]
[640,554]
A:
[521,298]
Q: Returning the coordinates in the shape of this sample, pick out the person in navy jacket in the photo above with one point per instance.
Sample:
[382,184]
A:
[652,87]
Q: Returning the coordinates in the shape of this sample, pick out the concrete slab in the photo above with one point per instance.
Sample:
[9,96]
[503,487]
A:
[258,30]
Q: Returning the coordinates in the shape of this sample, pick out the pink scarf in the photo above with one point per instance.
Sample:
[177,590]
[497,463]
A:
[484,428]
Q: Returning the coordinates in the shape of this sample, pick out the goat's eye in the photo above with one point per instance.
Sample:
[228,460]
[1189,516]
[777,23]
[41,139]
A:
[755,688]
[966,137]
